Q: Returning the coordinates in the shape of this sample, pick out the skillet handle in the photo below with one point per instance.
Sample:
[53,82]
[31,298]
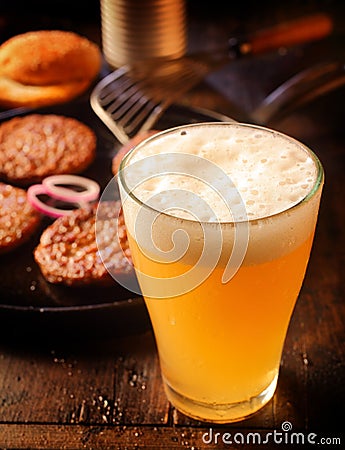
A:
[287,34]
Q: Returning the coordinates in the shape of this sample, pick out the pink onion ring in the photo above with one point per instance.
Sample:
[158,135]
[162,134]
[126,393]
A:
[90,193]
[38,189]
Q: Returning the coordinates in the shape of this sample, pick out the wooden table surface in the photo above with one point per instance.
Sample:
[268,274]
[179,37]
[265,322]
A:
[106,392]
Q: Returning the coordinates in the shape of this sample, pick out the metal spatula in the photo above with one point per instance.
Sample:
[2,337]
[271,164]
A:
[131,99]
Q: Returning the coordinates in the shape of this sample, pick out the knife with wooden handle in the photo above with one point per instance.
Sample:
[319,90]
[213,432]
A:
[287,34]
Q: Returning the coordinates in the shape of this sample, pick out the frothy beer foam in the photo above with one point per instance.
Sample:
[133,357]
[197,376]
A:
[270,171]
[258,173]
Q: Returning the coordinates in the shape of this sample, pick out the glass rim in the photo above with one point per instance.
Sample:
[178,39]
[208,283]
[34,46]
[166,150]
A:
[315,188]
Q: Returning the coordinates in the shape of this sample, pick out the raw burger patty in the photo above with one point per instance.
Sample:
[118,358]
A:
[18,220]
[68,251]
[39,145]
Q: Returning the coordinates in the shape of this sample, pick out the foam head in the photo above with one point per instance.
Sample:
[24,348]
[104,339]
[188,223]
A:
[222,175]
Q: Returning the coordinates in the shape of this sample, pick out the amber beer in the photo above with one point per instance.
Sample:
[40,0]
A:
[220,333]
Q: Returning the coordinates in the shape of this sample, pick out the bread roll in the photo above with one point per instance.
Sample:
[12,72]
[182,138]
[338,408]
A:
[46,67]
[14,94]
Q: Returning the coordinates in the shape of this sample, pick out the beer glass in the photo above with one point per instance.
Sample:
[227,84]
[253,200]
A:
[220,219]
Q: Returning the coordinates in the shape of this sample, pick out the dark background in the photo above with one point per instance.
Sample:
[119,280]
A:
[19,15]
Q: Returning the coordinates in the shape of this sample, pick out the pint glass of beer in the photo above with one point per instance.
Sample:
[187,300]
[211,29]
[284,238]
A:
[220,219]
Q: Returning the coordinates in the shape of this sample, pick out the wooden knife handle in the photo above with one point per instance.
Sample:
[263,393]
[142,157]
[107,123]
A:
[287,34]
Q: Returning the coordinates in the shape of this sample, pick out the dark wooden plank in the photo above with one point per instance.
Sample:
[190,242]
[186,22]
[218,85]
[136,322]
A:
[55,386]
[325,292]
[22,436]
[116,381]
[139,392]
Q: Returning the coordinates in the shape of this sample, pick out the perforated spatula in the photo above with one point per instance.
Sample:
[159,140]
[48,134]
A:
[132,98]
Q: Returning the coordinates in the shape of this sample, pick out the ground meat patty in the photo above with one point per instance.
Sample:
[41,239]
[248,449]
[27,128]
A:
[69,252]
[39,145]
[18,220]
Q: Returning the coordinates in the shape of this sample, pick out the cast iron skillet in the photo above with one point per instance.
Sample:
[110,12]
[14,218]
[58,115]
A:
[29,305]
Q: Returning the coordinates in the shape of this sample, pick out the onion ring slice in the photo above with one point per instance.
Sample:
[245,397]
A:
[39,189]
[89,194]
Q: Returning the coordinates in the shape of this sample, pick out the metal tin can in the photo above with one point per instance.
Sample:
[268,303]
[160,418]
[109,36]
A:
[137,30]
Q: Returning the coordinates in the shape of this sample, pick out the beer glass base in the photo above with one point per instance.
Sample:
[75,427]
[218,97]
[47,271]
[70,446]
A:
[220,413]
